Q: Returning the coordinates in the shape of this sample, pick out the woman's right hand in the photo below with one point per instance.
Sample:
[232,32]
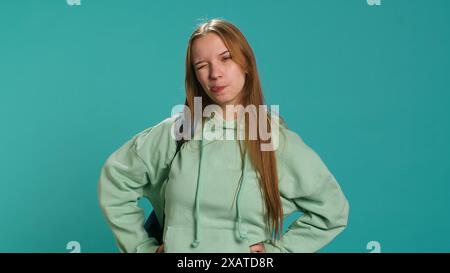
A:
[160,249]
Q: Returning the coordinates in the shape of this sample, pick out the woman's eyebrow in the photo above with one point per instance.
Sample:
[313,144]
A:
[226,51]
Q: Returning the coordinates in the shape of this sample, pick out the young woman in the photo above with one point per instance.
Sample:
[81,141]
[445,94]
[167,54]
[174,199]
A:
[218,194]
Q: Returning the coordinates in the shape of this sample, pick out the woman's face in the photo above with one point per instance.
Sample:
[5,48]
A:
[221,77]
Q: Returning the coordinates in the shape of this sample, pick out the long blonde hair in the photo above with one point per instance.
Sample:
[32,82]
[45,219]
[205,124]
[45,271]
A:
[264,162]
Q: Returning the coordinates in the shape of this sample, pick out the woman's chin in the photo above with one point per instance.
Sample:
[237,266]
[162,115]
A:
[219,100]
[223,99]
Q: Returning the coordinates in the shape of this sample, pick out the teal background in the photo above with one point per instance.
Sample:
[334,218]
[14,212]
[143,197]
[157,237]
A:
[367,87]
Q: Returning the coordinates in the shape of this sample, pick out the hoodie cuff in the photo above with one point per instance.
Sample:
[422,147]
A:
[147,247]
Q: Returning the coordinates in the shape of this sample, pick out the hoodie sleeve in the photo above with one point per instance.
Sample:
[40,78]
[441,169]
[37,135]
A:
[307,185]
[136,169]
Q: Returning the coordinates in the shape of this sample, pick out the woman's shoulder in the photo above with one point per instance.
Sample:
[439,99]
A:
[161,134]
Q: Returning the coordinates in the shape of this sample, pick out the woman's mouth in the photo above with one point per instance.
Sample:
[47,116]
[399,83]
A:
[217,89]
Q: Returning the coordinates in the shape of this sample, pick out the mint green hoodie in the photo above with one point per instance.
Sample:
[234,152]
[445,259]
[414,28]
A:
[210,197]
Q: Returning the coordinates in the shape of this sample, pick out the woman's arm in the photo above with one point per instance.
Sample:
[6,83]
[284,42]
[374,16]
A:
[136,169]
[121,184]
[308,186]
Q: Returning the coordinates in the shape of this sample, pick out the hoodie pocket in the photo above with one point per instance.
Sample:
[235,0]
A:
[216,240]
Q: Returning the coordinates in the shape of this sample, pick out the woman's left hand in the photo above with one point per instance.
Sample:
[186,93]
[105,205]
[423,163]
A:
[257,248]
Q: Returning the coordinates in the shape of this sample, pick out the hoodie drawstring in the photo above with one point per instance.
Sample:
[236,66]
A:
[196,241]
[242,234]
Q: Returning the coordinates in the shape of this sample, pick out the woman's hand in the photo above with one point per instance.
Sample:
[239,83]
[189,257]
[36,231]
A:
[160,249]
[257,248]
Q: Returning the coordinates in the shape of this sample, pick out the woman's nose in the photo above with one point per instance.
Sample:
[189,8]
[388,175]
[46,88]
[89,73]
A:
[215,72]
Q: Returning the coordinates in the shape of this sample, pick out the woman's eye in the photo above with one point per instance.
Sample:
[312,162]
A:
[226,58]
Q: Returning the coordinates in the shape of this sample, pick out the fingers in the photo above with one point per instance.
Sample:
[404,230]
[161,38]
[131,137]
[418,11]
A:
[160,249]
[257,248]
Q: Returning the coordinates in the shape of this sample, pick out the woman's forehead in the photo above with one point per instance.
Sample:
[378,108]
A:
[208,46]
